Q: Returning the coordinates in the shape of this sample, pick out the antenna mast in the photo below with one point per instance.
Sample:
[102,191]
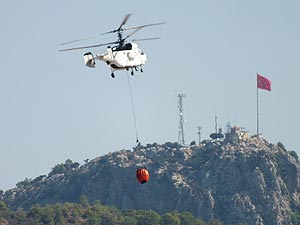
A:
[181,119]
[216,124]
[199,133]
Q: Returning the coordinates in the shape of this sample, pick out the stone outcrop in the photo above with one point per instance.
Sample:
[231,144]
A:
[248,181]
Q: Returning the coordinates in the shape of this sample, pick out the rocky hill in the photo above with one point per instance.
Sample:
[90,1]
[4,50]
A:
[247,181]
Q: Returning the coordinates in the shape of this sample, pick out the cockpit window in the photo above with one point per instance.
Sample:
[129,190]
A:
[127,46]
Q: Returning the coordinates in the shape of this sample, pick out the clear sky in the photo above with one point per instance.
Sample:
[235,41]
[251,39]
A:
[54,108]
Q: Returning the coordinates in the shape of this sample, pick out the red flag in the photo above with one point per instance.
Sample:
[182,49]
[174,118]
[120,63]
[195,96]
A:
[263,83]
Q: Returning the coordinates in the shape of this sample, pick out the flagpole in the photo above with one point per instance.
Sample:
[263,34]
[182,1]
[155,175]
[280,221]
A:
[265,84]
[257,119]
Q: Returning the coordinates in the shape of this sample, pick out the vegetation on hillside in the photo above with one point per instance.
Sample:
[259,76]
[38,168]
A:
[96,213]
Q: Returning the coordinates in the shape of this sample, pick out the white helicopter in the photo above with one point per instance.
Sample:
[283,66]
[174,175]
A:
[122,56]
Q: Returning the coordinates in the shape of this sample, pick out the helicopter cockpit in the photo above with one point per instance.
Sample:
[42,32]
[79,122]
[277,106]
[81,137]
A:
[127,46]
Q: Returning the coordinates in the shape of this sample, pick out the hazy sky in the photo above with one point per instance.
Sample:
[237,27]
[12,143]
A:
[54,108]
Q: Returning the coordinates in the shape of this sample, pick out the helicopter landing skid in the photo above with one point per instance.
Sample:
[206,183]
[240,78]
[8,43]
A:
[112,73]
[133,69]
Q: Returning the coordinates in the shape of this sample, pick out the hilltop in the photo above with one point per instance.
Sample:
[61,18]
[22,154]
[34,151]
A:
[248,180]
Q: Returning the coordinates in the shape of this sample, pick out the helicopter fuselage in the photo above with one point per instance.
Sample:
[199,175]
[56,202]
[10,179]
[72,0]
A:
[124,57]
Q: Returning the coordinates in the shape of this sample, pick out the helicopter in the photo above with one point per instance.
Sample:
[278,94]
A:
[123,55]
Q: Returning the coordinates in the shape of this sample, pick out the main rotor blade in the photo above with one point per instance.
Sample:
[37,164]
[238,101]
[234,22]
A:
[135,27]
[124,21]
[83,47]
[109,32]
[132,33]
[80,39]
[142,26]
[146,39]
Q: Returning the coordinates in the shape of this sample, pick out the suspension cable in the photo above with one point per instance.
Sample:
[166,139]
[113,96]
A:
[133,112]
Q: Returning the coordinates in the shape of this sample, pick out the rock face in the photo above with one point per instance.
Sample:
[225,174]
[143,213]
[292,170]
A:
[250,181]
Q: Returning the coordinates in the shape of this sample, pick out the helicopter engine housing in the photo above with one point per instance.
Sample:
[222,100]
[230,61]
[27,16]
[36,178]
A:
[89,60]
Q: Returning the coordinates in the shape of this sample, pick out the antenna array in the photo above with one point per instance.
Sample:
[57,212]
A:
[181,119]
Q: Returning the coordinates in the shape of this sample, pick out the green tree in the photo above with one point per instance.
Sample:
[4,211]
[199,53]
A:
[294,154]
[69,165]
[3,210]
[169,219]
[84,201]
[94,214]
[187,218]
[58,169]
[35,213]
[296,218]
[129,221]
[215,222]
[129,217]
[59,214]
[148,217]
[112,216]
[24,183]
[47,215]
[20,217]
[199,222]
